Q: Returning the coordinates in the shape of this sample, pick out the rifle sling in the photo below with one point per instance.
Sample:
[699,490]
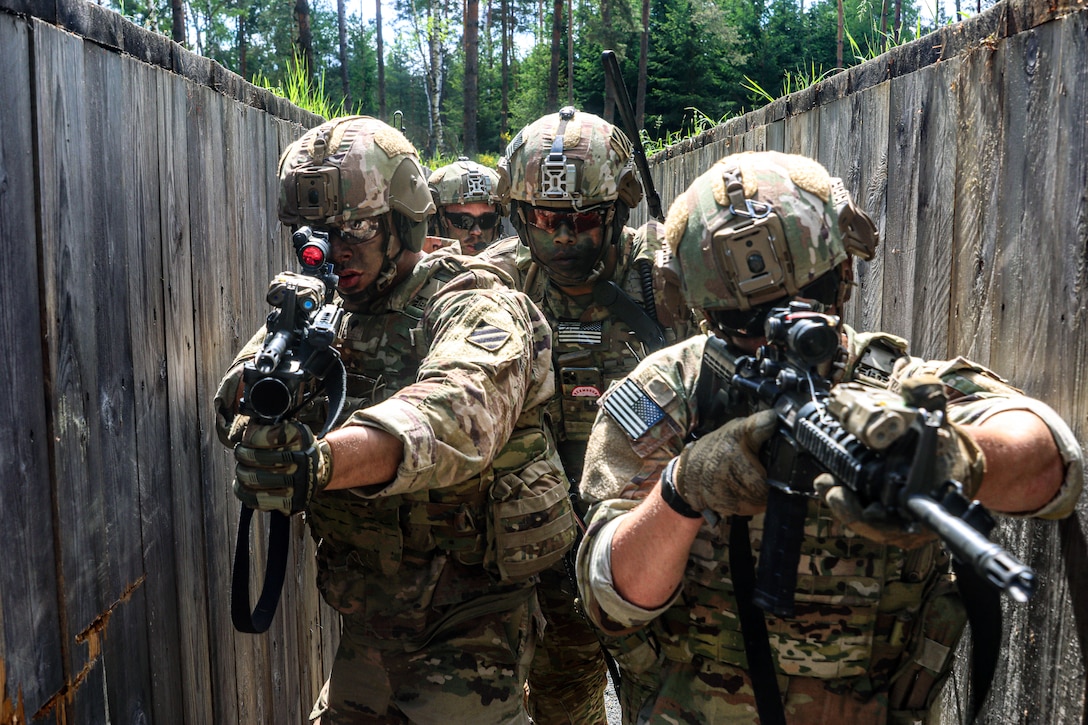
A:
[259,619]
[753,626]
[982,602]
[608,294]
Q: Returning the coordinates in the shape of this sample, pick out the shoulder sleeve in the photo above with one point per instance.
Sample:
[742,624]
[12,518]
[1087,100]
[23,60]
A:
[642,423]
[976,394]
[488,364]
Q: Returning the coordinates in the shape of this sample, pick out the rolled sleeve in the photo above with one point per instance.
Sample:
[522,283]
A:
[411,427]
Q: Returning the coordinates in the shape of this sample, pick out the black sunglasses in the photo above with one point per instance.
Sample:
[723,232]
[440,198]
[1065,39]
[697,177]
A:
[468,221]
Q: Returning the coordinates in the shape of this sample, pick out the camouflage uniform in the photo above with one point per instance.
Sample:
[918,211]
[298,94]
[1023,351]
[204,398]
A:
[593,345]
[875,625]
[433,572]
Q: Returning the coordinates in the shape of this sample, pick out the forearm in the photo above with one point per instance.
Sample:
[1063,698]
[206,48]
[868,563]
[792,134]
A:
[650,551]
[363,456]
[1024,468]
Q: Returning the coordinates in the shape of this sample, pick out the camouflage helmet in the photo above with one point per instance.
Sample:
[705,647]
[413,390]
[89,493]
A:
[463,182]
[355,167]
[569,159]
[759,226]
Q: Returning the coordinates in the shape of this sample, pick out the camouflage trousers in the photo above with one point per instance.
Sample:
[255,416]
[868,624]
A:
[568,674]
[472,675]
[706,691]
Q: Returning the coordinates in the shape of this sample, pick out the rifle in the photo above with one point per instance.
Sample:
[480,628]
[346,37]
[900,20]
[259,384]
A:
[881,446]
[296,361]
[301,329]
[627,118]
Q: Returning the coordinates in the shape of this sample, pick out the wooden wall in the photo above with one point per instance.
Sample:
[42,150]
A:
[138,233]
[970,149]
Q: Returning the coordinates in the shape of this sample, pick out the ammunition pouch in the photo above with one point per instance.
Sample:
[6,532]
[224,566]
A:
[531,522]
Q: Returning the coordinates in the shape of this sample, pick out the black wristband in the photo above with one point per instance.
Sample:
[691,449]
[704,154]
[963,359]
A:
[672,497]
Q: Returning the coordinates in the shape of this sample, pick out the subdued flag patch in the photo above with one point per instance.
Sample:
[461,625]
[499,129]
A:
[579,333]
[632,409]
[488,336]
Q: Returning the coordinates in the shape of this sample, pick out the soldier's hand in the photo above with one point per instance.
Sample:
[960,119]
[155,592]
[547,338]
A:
[872,522]
[280,467]
[721,471]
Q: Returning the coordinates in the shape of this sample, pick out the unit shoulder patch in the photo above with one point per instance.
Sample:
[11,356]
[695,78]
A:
[488,336]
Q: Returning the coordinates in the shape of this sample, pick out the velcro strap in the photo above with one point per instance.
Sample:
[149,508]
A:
[267,457]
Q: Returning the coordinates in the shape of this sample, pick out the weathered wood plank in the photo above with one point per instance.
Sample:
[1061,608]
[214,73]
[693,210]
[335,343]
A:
[184,413]
[112,454]
[869,186]
[147,323]
[215,299]
[69,289]
[30,638]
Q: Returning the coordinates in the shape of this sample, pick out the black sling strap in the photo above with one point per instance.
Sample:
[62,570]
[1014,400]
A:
[259,619]
[982,603]
[608,294]
[753,626]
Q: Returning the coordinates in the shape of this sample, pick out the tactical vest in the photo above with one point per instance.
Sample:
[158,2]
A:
[383,557]
[869,618]
[593,346]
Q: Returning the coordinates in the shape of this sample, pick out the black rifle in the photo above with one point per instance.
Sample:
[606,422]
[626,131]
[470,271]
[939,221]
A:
[886,456]
[301,329]
[295,362]
[627,118]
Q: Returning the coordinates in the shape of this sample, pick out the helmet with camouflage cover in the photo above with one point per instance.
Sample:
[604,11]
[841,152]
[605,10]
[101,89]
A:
[570,160]
[761,226]
[463,182]
[351,168]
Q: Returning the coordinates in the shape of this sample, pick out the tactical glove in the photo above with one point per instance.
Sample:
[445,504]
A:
[958,459]
[280,467]
[721,471]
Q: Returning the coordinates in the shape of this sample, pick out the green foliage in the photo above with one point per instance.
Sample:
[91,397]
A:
[709,59]
[300,89]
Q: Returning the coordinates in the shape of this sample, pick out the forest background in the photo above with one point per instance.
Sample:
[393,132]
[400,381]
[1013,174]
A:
[462,76]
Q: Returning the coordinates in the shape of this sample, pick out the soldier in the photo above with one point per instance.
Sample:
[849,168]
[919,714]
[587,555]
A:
[570,181]
[433,504]
[674,466]
[468,212]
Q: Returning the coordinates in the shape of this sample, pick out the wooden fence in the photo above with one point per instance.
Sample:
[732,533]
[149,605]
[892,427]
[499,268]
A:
[137,225]
[970,149]
[138,232]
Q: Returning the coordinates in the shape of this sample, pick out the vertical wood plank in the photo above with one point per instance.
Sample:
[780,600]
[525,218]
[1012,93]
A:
[216,332]
[869,187]
[184,412]
[30,635]
[69,293]
[147,328]
[110,231]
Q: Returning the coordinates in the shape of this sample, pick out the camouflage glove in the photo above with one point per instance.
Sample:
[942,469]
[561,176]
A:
[721,471]
[958,459]
[280,467]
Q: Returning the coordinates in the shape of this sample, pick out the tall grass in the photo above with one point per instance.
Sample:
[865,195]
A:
[300,89]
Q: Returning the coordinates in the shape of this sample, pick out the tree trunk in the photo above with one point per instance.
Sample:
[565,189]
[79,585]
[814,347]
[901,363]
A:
[243,46]
[305,39]
[342,32]
[552,100]
[643,61]
[606,41]
[570,52]
[381,58]
[177,30]
[838,37]
[504,108]
[884,24]
[898,19]
[472,74]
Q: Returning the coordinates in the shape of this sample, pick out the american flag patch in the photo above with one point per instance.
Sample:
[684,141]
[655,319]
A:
[580,333]
[488,336]
[632,409]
